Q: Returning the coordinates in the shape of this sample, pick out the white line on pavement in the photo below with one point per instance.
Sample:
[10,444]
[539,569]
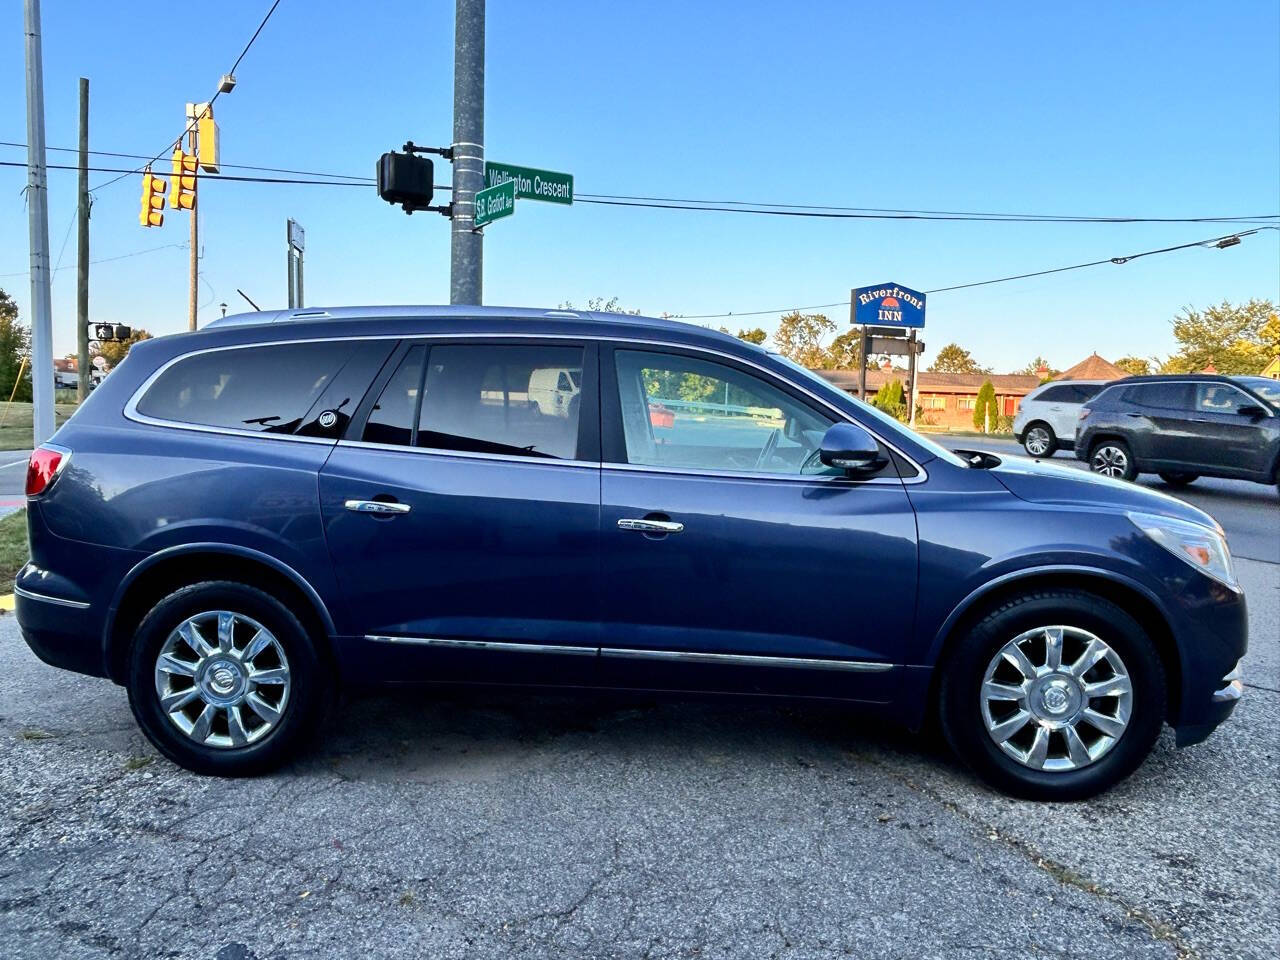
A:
[6,466]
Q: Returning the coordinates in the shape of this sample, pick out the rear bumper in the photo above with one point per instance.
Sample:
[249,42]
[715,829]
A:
[61,632]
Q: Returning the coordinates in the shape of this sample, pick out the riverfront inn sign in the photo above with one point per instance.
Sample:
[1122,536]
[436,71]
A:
[887,305]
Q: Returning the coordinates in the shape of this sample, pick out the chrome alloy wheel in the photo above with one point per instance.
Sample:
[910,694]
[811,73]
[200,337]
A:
[1110,461]
[1037,441]
[222,679]
[1056,698]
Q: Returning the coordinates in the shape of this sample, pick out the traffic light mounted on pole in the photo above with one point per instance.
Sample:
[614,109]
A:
[152,200]
[182,193]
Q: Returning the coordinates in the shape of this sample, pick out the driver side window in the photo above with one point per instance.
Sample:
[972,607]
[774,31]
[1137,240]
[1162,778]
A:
[689,413]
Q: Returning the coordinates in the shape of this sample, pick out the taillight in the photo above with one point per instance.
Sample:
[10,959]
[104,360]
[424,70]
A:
[1084,412]
[47,461]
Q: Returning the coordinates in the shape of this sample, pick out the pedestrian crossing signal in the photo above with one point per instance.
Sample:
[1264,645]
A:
[152,200]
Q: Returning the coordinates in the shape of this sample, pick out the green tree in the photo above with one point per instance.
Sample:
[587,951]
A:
[1039,367]
[1236,338]
[845,350]
[985,413]
[1134,366]
[15,347]
[892,399]
[799,336]
[755,335]
[600,305]
[953,358]
[114,352]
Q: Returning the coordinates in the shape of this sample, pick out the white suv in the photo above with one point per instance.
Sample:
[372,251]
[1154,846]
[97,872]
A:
[1046,421]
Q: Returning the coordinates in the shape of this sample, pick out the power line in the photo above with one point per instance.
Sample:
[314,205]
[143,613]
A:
[217,93]
[231,166]
[982,283]
[819,214]
[123,256]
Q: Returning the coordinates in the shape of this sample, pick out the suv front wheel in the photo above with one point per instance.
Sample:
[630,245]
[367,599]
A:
[1055,695]
[223,679]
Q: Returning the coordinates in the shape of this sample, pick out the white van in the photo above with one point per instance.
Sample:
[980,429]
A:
[553,388]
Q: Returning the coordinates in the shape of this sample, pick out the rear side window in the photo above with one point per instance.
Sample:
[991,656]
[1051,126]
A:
[266,389]
[523,400]
[1068,393]
[1167,396]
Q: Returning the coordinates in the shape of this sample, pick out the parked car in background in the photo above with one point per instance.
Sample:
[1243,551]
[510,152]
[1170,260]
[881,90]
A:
[1046,420]
[243,518]
[1183,428]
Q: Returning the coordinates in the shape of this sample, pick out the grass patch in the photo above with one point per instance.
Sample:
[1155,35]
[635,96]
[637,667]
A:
[138,761]
[13,548]
[35,733]
[15,423]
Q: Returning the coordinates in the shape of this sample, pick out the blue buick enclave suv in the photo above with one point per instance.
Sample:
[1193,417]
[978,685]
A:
[241,519]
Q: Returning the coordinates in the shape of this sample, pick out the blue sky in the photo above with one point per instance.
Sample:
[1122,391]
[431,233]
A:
[1142,109]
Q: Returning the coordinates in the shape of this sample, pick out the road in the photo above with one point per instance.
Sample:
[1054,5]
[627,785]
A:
[536,826]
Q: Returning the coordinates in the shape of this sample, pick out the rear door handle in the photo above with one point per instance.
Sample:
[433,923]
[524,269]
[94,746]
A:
[650,526]
[382,507]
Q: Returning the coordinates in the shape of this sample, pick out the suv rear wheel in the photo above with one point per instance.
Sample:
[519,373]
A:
[1176,478]
[223,679]
[1039,440]
[1056,695]
[1112,458]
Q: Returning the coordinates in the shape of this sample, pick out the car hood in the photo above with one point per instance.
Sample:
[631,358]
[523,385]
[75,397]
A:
[1039,482]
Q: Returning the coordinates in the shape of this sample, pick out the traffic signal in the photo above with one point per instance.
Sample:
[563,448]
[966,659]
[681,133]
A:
[109,332]
[406,180]
[182,193]
[152,200]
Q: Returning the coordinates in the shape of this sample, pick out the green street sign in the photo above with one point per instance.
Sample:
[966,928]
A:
[494,203]
[531,184]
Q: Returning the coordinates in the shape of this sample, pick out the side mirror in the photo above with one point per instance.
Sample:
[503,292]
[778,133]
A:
[1252,411]
[850,448]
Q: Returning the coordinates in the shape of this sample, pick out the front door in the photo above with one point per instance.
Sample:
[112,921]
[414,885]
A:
[462,515]
[731,558]
[1221,437]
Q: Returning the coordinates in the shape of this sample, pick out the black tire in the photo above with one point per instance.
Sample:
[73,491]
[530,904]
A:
[964,668]
[1176,478]
[1106,456]
[307,691]
[1037,433]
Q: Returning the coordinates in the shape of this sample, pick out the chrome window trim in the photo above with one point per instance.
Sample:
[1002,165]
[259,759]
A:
[494,645]
[628,653]
[131,407]
[45,598]
[710,474]
[746,659]
[467,455]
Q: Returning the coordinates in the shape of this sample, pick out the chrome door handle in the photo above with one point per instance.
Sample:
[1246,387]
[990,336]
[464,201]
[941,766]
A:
[650,526]
[377,506]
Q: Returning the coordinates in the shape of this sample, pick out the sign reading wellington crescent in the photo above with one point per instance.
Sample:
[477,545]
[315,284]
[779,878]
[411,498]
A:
[494,203]
[531,184]
[887,305]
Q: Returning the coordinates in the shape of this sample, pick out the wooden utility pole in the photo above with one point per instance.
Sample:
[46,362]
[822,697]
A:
[195,232]
[82,252]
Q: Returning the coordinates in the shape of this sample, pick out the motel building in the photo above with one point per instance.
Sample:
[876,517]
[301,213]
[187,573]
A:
[947,399]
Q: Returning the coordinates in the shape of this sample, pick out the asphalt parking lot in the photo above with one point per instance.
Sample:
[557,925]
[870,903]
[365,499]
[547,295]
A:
[514,826]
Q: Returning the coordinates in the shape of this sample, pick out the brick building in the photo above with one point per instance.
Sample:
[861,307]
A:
[945,399]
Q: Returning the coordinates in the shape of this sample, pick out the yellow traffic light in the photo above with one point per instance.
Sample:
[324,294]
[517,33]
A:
[152,200]
[182,193]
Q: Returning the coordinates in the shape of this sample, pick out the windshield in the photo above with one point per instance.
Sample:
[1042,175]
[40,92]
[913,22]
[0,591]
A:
[882,420]
[1267,389]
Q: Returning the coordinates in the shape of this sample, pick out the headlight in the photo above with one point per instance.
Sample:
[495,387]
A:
[1202,547]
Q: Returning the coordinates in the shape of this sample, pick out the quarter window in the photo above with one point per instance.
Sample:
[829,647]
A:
[683,412]
[265,389]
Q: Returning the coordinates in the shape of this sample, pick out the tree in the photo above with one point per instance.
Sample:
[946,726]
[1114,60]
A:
[1039,367]
[845,350]
[985,413]
[1134,366]
[15,346]
[1236,338]
[114,351]
[892,399]
[799,336]
[755,335]
[955,359]
[600,305]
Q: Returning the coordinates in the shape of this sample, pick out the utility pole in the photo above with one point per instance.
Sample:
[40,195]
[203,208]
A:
[466,261]
[38,231]
[911,377]
[862,365]
[194,240]
[295,241]
[82,252]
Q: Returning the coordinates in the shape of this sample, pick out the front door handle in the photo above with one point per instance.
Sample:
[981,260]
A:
[650,526]
[382,507]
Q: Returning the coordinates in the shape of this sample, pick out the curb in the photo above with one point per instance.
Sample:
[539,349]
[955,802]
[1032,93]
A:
[6,602]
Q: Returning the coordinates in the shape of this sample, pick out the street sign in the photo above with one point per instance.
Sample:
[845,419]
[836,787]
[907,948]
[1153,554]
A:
[297,236]
[531,184]
[494,203]
[887,305]
[894,346]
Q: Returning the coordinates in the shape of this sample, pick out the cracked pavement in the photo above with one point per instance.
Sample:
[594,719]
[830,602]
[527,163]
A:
[483,825]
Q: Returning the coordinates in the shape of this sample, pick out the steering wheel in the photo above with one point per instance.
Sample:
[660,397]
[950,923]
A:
[770,445]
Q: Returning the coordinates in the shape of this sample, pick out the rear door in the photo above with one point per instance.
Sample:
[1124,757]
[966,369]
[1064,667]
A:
[731,558]
[462,510]
[1156,417]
